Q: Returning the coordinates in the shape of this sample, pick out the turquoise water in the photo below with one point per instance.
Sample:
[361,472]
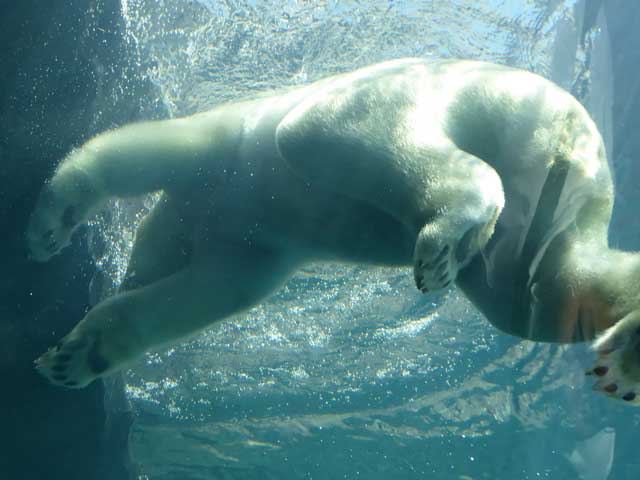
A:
[349,372]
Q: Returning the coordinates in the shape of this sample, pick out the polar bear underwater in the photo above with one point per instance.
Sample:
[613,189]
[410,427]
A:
[486,176]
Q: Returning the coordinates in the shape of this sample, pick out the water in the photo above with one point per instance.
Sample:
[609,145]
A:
[348,372]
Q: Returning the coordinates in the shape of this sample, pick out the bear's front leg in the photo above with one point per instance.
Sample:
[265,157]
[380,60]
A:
[129,161]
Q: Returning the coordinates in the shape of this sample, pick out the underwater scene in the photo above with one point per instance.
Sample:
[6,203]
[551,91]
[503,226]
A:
[347,371]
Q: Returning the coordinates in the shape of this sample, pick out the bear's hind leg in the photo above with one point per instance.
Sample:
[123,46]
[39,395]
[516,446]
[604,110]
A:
[162,246]
[379,142]
[122,328]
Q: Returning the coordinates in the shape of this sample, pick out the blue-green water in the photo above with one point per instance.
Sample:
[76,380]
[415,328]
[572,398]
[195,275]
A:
[349,372]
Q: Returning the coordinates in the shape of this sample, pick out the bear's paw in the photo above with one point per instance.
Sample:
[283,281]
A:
[617,368]
[75,361]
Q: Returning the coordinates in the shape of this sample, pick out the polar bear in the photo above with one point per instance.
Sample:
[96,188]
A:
[473,173]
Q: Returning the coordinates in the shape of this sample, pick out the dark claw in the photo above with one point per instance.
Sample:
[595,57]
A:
[611,388]
[447,284]
[424,290]
[629,396]
[600,371]
[443,277]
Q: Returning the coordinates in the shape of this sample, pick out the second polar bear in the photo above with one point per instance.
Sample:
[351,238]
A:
[470,172]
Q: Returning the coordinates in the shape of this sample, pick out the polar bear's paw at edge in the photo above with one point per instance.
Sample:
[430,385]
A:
[75,361]
[617,368]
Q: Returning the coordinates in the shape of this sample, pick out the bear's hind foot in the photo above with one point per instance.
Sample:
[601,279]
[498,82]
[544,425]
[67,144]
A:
[617,368]
[74,362]
[434,270]
[444,247]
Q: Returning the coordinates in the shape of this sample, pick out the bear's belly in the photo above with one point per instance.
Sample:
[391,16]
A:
[310,223]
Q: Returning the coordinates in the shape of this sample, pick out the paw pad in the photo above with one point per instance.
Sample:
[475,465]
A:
[629,397]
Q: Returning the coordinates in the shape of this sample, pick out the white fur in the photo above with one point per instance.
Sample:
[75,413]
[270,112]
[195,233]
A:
[381,166]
